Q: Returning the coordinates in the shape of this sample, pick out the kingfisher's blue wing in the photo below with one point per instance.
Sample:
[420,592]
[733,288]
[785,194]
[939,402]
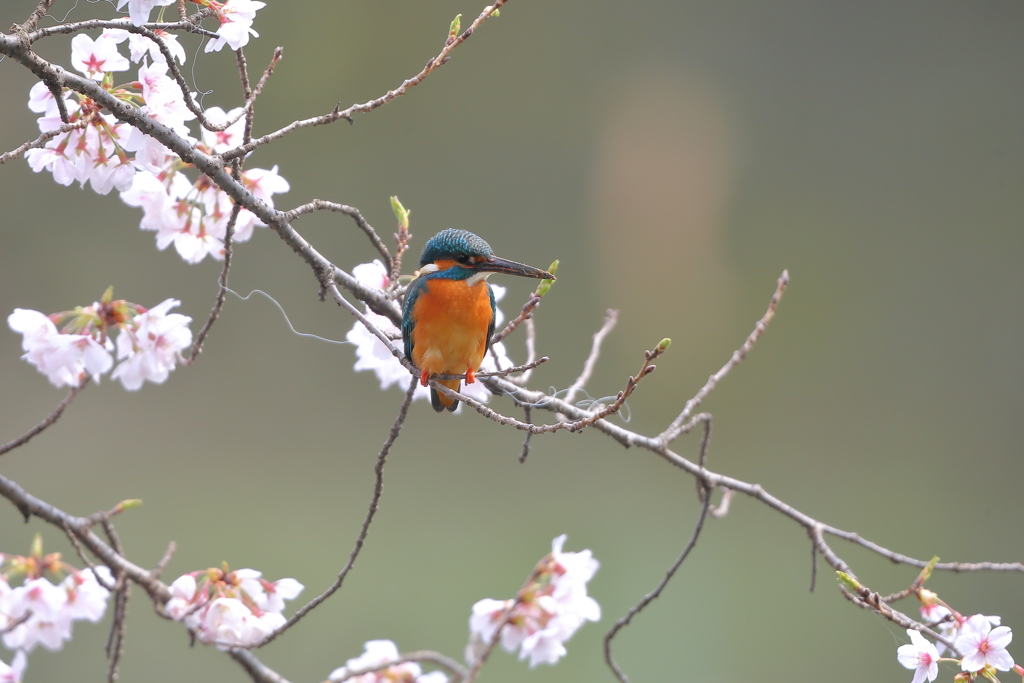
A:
[411,294]
[490,328]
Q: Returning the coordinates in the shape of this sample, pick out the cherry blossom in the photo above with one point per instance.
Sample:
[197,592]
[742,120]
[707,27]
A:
[42,101]
[139,10]
[378,652]
[230,609]
[236,17]
[150,351]
[140,46]
[920,654]
[92,153]
[95,58]
[12,673]
[148,341]
[41,613]
[63,358]
[546,613]
[164,100]
[86,596]
[230,137]
[983,645]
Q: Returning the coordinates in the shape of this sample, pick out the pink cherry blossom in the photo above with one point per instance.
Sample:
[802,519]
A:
[63,358]
[86,597]
[12,673]
[183,592]
[94,58]
[49,624]
[920,654]
[547,613]
[983,645]
[236,17]
[165,101]
[230,609]
[230,137]
[139,10]
[151,351]
[140,46]
[377,652]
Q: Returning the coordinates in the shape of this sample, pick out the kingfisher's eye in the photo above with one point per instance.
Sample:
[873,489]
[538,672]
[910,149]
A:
[462,258]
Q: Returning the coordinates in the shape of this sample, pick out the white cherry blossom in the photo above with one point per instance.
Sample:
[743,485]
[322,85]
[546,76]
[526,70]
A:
[151,351]
[139,10]
[236,17]
[920,654]
[94,58]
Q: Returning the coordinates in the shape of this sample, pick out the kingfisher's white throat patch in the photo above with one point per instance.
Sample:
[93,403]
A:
[476,278]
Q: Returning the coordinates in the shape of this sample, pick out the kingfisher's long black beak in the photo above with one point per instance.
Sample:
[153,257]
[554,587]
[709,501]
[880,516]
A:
[500,265]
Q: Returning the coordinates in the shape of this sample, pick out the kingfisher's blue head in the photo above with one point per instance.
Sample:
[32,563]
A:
[461,255]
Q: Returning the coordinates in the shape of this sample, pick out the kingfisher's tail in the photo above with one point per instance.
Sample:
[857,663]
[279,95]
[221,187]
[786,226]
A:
[439,401]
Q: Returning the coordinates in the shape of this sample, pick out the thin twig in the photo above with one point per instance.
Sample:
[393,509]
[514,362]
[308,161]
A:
[222,281]
[574,426]
[44,138]
[497,373]
[401,244]
[675,429]
[80,551]
[526,439]
[346,114]
[480,659]
[871,600]
[38,13]
[16,623]
[257,670]
[162,564]
[378,489]
[115,642]
[653,595]
[525,314]
[354,213]
[48,420]
[189,23]
[611,317]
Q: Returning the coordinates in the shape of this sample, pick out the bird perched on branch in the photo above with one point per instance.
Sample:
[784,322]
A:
[448,314]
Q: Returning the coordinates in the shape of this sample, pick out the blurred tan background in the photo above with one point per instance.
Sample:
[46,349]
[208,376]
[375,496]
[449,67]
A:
[676,156]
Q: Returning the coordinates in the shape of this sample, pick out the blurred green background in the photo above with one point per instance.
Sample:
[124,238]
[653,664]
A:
[676,156]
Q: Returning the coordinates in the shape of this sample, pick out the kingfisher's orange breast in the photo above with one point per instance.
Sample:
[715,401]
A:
[450,334]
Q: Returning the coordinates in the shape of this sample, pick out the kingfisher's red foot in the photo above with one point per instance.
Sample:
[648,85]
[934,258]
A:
[423,378]
[470,376]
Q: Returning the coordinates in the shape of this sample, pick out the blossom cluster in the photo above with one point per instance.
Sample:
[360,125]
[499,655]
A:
[230,608]
[148,341]
[39,612]
[98,150]
[545,614]
[373,355]
[980,640]
[378,653]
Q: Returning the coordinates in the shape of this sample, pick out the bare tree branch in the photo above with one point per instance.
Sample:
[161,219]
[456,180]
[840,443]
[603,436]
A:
[48,420]
[378,489]
[653,595]
[364,225]
[38,13]
[675,429]
[44,138]
[346,114]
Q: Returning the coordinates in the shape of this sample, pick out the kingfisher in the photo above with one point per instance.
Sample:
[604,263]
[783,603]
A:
[448,314]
